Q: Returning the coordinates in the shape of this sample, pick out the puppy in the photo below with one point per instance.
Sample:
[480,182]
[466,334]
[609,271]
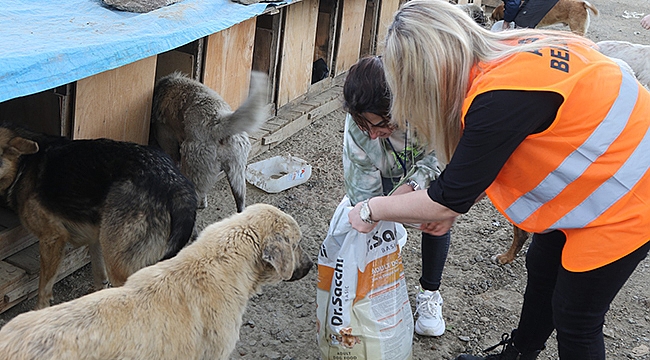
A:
[197,128]
[573,13]
[188,307]
[637,56]
[129,203]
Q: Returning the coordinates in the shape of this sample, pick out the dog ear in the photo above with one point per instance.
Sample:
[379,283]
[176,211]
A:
[23,146]
[277,252]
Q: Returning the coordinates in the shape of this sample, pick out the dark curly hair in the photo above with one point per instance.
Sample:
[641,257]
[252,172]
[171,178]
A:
[365,90]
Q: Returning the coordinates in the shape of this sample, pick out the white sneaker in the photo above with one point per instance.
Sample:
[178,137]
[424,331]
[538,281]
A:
[428,307]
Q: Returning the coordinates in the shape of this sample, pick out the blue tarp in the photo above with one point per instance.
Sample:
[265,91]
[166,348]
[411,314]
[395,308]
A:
[45,43]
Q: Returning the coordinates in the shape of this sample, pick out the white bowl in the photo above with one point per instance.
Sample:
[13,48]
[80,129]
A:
[278,173]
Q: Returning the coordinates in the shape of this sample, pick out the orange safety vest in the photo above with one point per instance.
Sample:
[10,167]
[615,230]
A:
[587,174]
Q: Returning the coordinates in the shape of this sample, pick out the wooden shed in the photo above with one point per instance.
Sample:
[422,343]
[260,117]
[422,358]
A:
[96,78]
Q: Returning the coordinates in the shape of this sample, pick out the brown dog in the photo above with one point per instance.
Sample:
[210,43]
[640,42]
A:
[519,238]
[129,203]
[187,307]
[573,13]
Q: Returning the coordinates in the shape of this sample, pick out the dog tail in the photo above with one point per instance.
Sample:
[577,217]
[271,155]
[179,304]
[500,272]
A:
[250,116]
[593,9]
[183,217]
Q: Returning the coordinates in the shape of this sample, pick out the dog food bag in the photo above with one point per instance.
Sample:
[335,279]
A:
[363,307]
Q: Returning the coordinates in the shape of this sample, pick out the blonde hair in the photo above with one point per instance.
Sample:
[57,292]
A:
[431,47]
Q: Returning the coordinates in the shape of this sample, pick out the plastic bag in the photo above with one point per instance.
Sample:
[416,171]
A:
[363,307]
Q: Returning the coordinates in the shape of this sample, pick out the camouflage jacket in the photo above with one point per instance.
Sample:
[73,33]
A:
[366,161]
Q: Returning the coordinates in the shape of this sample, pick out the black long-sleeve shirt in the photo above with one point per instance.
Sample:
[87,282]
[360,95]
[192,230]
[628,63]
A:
[495,124]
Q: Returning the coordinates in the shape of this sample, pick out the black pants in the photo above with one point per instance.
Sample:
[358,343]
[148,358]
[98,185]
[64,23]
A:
[573,303]
[434,255]
[434,251]
[532,12]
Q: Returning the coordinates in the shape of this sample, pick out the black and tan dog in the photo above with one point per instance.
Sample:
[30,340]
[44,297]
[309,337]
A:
[188,307]
[129,203]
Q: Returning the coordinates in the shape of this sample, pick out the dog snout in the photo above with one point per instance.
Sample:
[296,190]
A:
[303,266]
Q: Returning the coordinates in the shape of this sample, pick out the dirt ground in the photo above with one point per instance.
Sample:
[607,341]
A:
[482,299]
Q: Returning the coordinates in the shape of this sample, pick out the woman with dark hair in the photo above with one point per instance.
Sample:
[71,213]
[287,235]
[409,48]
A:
[379,158]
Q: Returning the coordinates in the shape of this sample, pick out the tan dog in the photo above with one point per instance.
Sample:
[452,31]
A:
[187,307]
[573,13]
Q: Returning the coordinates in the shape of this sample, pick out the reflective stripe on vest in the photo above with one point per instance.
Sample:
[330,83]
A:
[577,162]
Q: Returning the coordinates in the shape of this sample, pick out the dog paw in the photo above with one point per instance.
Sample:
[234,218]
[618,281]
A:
[501,259]
[203,203]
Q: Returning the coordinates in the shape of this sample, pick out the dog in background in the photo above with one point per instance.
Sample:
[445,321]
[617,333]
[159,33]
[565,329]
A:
[519,238]
[573,13]
[476,13]
[197,128]
[637,56]
[129,203]
[187,307]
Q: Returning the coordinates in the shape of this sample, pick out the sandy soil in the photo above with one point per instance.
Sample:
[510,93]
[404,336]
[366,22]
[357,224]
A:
[482,299]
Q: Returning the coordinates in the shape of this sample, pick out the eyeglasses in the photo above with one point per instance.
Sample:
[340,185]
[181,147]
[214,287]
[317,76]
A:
[368,126]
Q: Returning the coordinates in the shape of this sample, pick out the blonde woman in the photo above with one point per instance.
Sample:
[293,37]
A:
[554,132]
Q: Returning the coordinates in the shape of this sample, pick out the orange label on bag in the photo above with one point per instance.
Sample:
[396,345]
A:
[379,273]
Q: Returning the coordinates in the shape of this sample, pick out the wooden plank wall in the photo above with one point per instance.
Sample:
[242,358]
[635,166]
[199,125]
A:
[116,104]
[297,50]
[229,60]
[350,35]
[386,13]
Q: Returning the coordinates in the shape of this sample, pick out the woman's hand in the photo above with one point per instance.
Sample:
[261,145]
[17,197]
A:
[438,228]
[413,208]
[356,222]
